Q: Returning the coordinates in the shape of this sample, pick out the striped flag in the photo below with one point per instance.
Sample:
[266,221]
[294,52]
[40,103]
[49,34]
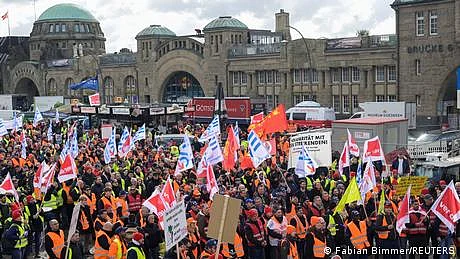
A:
[3,130]
[50,133]
[213,152]
[123,138]
[23,145]
[212,129]
[305,165]
[74,144]
[64,151]
[140,134]
[257,150]
[236,131]
[185,160]
[110,148]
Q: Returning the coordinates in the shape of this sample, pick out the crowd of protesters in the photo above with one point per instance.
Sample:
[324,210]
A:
[282,215]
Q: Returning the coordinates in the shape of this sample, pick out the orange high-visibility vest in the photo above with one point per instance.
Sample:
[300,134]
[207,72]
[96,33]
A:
[99,252]
[300,229]
[383,234]
[291,214]
[66,189]
[58,242]
[84,221]
[110,203]
[238,246]
[117,249]
[358,236]
[193,238]
[293,250]
[318,247]
[124,207]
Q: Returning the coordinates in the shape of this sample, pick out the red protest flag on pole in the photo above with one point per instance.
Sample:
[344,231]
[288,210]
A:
[246,162]
[47,179]
[5,16]
[276,121]
[353,147]
[403,215]
[373,150]
[230,150]
[156,204]
[7,186]
[447,207]
[168,193]
[68,169]
[211,183]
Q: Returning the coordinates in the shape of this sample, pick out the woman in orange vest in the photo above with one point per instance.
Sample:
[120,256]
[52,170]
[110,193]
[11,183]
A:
[193,236]
[315,240]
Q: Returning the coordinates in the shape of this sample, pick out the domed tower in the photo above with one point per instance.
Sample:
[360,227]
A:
[65,31]
[151,37]
[222,33]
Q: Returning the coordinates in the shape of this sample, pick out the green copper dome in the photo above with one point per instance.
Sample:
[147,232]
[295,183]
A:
[225,22]
[156,31]
[65,12]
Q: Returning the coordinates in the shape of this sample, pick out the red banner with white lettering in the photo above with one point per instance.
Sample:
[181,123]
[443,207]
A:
[238,108]
[447,207]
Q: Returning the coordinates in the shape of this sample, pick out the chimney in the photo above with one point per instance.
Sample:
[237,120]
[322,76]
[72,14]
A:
[282,24]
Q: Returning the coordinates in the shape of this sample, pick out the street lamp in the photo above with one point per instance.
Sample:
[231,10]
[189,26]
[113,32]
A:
[310,71]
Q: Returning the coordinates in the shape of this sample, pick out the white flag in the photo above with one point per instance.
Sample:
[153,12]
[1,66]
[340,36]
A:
[50,133]
[213,152]
[37,117]
[3,130]
[257,150]
[212,129]
[185,160]
[305,165]
[123,138]
[140,134]
[110,148]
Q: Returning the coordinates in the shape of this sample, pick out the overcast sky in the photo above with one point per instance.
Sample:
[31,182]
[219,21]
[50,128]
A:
[122,20]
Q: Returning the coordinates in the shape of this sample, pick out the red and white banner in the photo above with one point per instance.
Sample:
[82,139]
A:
[47,179]
[156,204]
[211,183]
[68,169]
[42,169]
[447,207]
[168,194]
[238,108]
[270,145]
[403,215]
[344,160]
[354,149]
[202,107]
[257,118]
[7,186]
[94,100]
[373,150]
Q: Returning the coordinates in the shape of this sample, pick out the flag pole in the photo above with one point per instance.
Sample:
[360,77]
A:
[9,29]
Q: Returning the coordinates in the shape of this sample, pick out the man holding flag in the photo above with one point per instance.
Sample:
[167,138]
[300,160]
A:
[417,228]
[385,226]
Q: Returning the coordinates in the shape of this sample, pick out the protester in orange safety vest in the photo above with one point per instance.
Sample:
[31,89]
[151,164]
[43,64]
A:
[118,247]
[85,224]
[315,240]
[291,236]
[299,221]
[385,228]
[54,240]
[103,242]
[357,231]
[193,236]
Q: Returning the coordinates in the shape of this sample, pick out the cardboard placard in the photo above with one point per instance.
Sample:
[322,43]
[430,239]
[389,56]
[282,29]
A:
[224,218]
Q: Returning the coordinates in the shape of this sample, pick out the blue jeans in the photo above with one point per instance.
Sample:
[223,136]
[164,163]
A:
[256,252]
[445,242]
[17,253]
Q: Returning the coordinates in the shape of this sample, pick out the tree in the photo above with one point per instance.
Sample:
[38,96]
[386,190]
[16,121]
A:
[362,33]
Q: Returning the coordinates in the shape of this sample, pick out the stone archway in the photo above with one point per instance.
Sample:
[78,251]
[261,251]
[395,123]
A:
[447,101]
[180,87]
[26,87]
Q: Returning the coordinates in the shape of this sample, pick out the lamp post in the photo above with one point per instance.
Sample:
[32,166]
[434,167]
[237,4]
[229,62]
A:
[310,71]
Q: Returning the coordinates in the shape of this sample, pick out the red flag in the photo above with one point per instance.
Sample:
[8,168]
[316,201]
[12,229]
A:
[230,149]
[246,162]
[168,194]
[447,207]
[274,122]
[68,169]
[7,186]
[255,119]
[5,16]
[156,204]
[126,147]
[403,215]
[47,179]
[211,183]
[42,169]
[201,172]
[373,150]
[353,147]
[344,160]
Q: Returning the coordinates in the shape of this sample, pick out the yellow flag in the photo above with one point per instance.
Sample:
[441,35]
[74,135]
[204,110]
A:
[382,203]
[351,194]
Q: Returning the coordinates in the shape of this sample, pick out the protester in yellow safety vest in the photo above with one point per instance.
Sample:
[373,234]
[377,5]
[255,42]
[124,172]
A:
[136,250]
[16,235]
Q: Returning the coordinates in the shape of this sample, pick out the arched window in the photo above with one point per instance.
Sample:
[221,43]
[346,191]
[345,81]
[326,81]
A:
[130,89]
[52,87]
[68,82]
[108,90]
